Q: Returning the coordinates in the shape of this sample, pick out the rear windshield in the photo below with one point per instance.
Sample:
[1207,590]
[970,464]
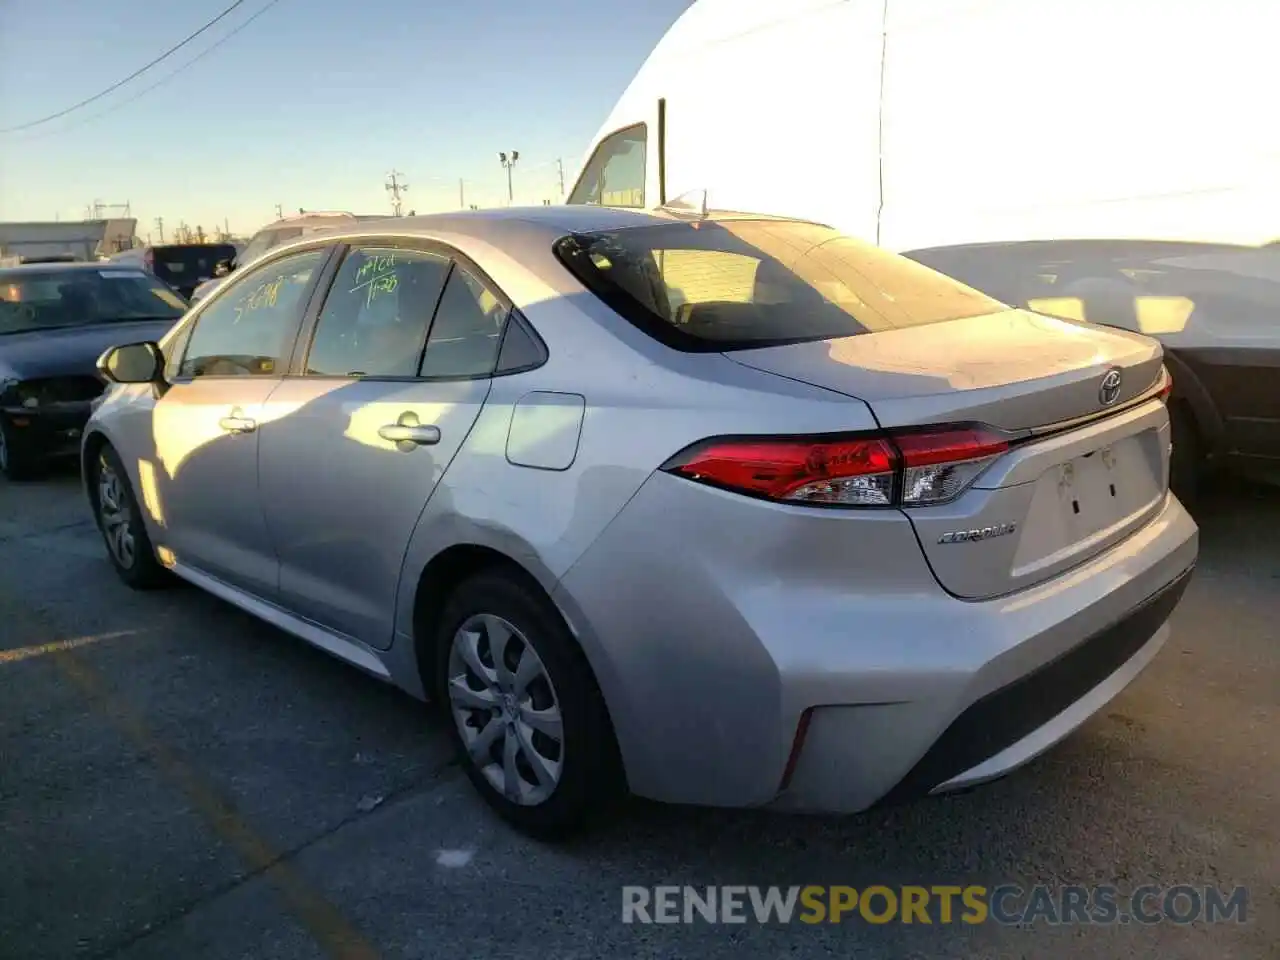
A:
[190,263]
[43,300]
[738,284]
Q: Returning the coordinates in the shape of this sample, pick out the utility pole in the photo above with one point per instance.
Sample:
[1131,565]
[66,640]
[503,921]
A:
[279,212]
[200,237]
[560,174]
[507,164]
[160,228]
[226,229]
[395,187]
[462,197]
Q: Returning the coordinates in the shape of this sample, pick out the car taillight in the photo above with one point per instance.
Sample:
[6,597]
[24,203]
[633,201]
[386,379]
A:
[939,466]
[1167,389]
[905,469]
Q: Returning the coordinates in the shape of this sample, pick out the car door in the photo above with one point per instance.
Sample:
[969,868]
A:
[395,374]
[207,423]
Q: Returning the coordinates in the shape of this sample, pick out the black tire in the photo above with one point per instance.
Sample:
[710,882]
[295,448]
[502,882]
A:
[17,464]
[590,776]
[138,567]
[1186,462]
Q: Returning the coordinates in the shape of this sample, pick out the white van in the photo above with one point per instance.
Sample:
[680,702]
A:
[1057,154]
[920,123]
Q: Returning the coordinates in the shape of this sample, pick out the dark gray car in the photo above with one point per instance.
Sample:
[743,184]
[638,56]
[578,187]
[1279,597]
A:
[1214,307]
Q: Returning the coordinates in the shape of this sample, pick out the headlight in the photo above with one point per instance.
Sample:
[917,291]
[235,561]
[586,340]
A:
[15,392]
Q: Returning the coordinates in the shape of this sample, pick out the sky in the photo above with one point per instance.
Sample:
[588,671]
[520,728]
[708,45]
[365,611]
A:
[311,105]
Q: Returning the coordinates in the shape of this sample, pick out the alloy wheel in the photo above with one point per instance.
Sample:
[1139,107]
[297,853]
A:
[116,514]
[506,709]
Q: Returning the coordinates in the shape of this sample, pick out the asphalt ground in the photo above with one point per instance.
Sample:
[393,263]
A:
[178,780]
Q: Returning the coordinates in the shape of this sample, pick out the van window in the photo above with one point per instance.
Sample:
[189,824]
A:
[614,177]
[738,284]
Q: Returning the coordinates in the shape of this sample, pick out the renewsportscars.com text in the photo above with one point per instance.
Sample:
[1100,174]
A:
[938,904]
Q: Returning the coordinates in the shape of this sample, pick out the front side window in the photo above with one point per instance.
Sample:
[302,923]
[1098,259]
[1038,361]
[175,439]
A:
[737,284]
[376,316]
[467,330]
[614,177]
[248,330]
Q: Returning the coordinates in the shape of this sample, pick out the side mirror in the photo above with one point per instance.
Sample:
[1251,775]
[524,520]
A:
[132,363]
[223,267]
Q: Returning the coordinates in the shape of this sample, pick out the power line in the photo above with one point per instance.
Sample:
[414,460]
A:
[120,83]
[159,83]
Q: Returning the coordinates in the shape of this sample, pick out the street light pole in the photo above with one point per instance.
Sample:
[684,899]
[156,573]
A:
[507,164]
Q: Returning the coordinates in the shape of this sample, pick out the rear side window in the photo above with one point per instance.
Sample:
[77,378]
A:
[736,284]
[614,176]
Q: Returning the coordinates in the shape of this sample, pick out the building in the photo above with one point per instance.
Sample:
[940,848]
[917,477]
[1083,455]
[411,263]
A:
[83,239]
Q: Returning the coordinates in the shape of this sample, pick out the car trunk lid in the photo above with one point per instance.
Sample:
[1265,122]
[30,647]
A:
[1013,370]
[1088,462]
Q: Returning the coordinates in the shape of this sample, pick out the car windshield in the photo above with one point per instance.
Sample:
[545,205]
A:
[72,298]
[738,284]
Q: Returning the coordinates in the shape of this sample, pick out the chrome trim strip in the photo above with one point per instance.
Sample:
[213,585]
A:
[1063,425]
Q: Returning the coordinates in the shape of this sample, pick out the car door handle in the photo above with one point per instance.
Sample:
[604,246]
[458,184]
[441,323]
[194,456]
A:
[238,424]
[409,435]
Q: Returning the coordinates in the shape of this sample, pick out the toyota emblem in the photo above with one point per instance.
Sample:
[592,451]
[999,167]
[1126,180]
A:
[1109,390]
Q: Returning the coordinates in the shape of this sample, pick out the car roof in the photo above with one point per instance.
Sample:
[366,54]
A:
[551,221]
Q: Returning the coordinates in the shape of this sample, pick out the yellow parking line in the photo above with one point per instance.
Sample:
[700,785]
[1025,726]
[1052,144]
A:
[321,919]
[40,650]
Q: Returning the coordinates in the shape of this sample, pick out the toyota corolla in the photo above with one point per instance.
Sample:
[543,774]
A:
[721,509]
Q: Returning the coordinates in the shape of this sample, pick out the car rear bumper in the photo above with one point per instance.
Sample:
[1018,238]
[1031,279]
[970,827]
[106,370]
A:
[720,628]
[1004,729]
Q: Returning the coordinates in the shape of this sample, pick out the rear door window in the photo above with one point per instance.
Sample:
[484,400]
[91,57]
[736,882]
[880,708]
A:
[374,322]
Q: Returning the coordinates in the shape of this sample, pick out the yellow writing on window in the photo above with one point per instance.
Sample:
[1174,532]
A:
[265,295]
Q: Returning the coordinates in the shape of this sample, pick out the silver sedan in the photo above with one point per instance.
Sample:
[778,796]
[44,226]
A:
[720,509]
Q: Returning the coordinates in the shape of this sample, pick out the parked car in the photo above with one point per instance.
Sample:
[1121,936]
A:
[183,266]
[274,234]
[729,510]
[1213,306]
[55,321]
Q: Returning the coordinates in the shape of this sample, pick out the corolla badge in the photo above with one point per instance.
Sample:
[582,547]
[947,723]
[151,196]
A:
[1109,389]
[981,533]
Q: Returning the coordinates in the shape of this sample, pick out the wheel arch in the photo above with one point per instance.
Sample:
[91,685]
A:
[437,581]
[1191,393]
[92,444]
